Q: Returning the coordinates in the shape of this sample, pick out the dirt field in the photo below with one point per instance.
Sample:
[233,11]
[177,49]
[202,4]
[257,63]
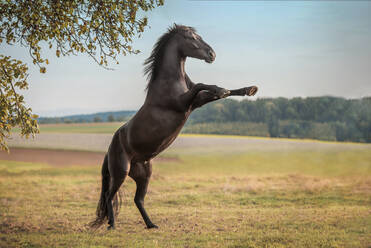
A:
[184,143]
[53,157]
[67,149]
[59,157]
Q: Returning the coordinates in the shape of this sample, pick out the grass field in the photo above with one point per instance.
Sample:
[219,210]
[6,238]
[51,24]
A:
[304,195]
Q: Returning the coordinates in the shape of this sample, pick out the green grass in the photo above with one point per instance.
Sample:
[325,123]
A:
[297,198]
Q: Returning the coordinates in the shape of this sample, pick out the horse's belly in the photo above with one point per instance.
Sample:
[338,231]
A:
[152,133]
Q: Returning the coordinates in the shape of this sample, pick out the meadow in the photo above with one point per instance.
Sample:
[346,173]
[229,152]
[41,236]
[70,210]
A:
[208,191]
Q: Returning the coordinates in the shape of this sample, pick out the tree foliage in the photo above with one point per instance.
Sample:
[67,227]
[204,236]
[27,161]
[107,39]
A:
[103,29]
[13,112]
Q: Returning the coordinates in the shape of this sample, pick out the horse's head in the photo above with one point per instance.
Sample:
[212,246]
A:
[192,45]
[179,42]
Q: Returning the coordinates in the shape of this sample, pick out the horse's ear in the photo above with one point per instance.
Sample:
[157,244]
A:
[175,25]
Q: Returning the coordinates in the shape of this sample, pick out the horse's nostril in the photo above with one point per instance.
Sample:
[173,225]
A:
[211,53]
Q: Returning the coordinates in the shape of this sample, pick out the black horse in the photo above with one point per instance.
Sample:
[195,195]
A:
[171,97]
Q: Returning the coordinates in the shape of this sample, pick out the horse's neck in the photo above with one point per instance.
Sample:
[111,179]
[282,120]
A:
[172,65]
[171,74]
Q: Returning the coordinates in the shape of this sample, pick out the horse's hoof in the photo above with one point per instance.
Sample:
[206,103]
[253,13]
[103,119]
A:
[151,226]
[111,227]
[250,91]
[223,93]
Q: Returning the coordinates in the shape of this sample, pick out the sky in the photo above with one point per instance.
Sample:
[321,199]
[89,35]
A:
[288,49]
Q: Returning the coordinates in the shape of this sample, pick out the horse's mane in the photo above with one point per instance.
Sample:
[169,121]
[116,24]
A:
[152,63]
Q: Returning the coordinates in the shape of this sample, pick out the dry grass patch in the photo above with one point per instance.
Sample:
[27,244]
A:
[322,199]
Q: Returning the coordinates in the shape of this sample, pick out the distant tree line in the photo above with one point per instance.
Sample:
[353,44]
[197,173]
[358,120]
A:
[325,118]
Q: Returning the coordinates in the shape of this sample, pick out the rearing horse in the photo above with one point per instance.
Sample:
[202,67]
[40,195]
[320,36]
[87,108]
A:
[171,97]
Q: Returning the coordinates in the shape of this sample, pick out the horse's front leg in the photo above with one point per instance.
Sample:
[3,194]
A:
[187,99]
[247,91]
[204,97]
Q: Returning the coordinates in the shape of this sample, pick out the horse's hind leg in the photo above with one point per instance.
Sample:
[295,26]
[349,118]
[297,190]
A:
[119,167]
[141,173]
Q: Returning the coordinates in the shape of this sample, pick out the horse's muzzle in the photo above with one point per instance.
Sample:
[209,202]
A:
[211,57]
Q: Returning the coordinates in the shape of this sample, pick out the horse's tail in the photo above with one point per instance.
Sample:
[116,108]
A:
[102,211]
